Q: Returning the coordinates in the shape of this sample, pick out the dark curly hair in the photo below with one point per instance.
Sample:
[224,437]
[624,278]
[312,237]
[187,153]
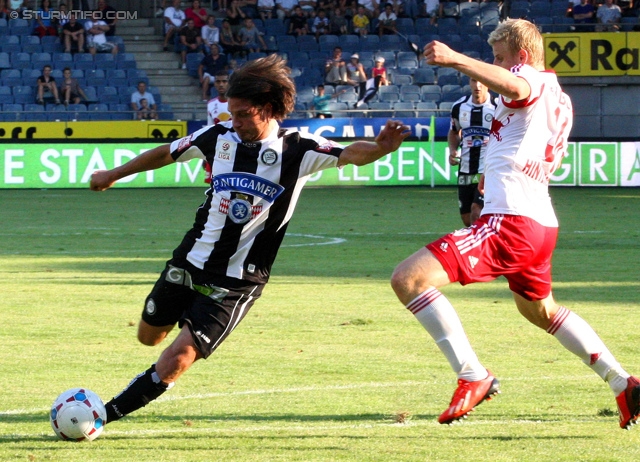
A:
[265,80]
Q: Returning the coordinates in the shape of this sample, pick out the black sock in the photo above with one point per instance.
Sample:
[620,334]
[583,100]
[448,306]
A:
[143,389]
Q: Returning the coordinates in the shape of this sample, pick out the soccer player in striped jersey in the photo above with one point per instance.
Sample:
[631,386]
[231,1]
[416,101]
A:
[516,233]
[222,264]
[471,118]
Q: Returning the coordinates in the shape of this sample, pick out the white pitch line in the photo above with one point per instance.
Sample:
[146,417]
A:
[356,386]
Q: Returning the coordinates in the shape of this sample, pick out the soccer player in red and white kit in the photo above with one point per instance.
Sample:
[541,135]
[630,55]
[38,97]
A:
[217,110]
[516,233]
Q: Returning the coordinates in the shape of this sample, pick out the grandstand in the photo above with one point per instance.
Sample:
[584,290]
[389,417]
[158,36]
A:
[416,88]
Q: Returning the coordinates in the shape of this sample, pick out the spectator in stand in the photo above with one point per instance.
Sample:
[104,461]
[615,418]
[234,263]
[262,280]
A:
[308,7]
[583,16]
[190,41]
[47,88]
[361,22]
[70,89]
[109,15]
[251,38]
[210,33]
[228,40]
[378,77]
[63,17]
[249,8]
[339,23]
[571,5]
[18,6]
[209,67]
[321,24]
[335,69]
[96,38]
[197,13]
[284,8]
[326,5]
[371,8]
[46,23]
[350,8]
[609,16]
[141,94]
[434,9]
[235,15]
[387,21]
[145,112]
[73,33]
[320,103]
[174,18]
[407,8]
[356,75]
[4,11]
[266,9]
[298,24]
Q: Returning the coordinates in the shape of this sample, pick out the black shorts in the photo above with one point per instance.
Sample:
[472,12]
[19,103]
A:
[468,193]
[210,318]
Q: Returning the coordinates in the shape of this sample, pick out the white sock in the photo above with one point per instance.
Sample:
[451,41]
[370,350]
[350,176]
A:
[577,336]
[439,318]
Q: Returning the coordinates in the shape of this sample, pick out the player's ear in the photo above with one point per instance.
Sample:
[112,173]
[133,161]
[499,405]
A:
[523,57]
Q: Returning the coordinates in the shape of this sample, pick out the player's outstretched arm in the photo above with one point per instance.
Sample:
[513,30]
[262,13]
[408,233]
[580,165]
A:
[496,78]
[150,160]
[364,152]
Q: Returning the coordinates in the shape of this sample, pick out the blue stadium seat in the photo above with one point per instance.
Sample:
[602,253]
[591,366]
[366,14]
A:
[11,77]
[165,112]
[275,27]
[127,61]
[349,42]
[104,61]
[405,25]
[404,109]
[19,27]
[21,60]
[11,44]
[381,109]
[23,94]
[77,112]
[424,75]
[447,26]
[40,59]
[120,111]
[118,41]
[451,93]
[83,61]
[62,60]
[369,43]
[445,106]
[51,44]
[91,93]
[431,93]
[30,44]
[108,94]
[34,112]
[401,79]
[11,112]
[5,95]
[57,112]
[117,77]
[5,61]
[426,108]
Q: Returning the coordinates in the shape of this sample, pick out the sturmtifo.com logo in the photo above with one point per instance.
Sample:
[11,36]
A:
[79,14]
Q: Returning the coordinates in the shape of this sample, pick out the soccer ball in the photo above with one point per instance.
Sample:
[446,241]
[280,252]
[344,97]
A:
[78,414]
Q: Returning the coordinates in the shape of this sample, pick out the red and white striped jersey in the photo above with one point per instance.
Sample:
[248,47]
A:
[527,143]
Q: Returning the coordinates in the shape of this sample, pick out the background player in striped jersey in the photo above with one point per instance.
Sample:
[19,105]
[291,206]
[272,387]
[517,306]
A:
[516,233]
[223,262]
[471,118]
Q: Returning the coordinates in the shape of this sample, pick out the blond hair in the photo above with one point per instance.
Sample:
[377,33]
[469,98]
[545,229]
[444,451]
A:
[520,34]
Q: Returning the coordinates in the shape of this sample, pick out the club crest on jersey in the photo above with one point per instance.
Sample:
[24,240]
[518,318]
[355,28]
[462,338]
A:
[269,157]
[247,183]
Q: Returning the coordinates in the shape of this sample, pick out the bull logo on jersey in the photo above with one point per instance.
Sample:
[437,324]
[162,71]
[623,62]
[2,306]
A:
[498,125]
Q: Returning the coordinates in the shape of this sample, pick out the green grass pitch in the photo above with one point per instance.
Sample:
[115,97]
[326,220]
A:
[327,366]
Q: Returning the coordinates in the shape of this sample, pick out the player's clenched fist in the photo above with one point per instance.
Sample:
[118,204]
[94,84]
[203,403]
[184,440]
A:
[437,53]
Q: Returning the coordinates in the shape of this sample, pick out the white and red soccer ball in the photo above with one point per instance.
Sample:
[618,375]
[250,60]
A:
[78,414]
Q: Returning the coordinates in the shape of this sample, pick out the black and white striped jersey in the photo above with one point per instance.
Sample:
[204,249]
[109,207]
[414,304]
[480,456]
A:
[254,189]
[474,120]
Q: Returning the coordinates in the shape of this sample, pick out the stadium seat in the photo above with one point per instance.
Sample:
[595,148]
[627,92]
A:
[127,61]
[57,112]
[90,92]
[447,26]
[19,27]
[5,95]
[448,79]
[119,41]
[51,44]
[338,109]
[108,94]
[445,106]
[21,60]
[30,44]
[104,61]
[424,75]
[11,112]
[165,112]
[401,79]
[5,61]
[369,43]
[403,109]
[426,108]
[23,94]
[83,61]
[11,77]
[381,109]
[120,111]
[348,97]
[34,113]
